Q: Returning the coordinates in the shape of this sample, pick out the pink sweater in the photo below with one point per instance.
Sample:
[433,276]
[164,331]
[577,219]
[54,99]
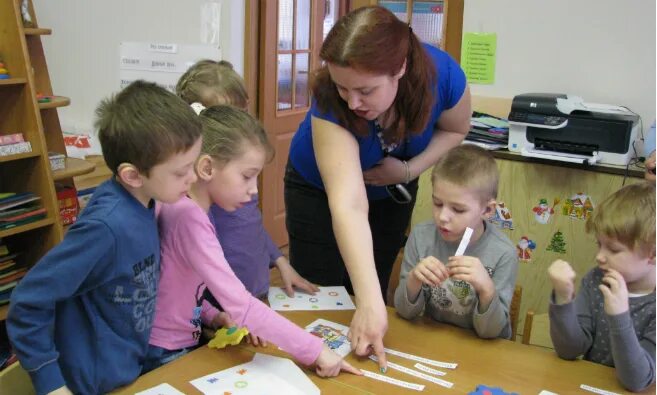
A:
[192,259]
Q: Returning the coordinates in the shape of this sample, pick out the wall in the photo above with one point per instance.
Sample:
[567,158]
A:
[83,50]
[600,50]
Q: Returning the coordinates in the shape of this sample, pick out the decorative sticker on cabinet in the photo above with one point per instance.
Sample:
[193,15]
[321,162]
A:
[557,243]
[579,206]
[502,217]
[543,211]
[525,247]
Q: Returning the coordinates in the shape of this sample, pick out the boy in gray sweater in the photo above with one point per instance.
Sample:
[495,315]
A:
[611,321]
[473,290]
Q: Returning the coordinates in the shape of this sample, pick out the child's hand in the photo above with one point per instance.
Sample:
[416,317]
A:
[470,269]
[255,340]
[429,271]
[329,364]
[222,319]
[563,281]
[614,290]
[292,279]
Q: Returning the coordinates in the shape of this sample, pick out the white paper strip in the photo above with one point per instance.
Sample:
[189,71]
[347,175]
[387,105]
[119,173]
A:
[415,373]
[446,365]
[390,380]
[429,370]
[597,390]
[464,242]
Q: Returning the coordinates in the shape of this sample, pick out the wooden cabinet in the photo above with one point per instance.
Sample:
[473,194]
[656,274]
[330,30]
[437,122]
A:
[20,112]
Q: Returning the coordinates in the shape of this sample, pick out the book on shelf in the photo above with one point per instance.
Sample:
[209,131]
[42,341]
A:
[20,209]
[11,271]
[14,138]
[15,149]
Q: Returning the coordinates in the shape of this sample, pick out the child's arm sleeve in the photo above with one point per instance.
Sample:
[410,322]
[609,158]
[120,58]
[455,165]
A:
[634,356]
[405,307]
[571,324]
[197,242]
[74,266]
[272,249]
[495,321]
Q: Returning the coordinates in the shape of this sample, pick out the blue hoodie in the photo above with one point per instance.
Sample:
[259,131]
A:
[82,316]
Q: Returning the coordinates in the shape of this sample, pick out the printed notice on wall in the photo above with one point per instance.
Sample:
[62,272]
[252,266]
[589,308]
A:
[478,57]
[162,63]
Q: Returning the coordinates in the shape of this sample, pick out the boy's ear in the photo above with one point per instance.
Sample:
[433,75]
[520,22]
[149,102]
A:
[130,175]
[204,167]
[489,209]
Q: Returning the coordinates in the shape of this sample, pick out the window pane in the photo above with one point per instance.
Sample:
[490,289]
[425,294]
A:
[397,7]
[303,25]
[330,16]
[285,23]
[427,21]
[301,94]
[284,82]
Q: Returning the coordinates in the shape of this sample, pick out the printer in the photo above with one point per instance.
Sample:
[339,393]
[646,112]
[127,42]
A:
[565,128]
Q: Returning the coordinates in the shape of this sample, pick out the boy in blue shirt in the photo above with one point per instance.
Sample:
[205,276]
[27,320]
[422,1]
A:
[80,320]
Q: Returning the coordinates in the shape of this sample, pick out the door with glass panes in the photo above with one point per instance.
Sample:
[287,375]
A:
[291,34]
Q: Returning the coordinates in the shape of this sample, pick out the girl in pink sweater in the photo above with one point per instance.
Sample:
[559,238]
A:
[235,149]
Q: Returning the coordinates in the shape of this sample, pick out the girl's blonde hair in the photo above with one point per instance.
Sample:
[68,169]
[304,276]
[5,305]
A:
[227,130]
[211,83]
[628,215]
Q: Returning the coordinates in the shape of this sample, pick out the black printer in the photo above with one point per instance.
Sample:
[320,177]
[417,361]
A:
[565,128]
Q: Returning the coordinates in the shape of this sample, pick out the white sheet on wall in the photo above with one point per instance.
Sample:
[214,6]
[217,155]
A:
[161,63]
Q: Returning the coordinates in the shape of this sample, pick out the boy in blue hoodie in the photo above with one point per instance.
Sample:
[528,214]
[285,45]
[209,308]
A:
[81,318]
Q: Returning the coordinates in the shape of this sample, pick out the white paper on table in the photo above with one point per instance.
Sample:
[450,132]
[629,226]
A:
[328,298]
[390,380]
[263,375]
[597,390]
[162,389]
[546,392]
[333,334]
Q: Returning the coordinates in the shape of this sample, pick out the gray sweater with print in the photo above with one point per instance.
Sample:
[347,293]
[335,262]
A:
[626,341]
[454,301]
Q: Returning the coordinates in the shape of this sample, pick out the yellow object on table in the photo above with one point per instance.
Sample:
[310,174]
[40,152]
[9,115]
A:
[228,336]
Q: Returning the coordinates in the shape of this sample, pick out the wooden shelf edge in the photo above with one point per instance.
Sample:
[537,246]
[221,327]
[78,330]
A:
[37,31]
[24,228]
[55,101]
[13,81]
[24,155]
[74,167]
[4,310]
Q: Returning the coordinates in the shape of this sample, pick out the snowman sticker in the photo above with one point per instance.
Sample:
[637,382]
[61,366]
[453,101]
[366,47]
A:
[542,212]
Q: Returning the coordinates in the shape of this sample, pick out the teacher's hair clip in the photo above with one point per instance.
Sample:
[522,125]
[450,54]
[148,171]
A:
[197,107]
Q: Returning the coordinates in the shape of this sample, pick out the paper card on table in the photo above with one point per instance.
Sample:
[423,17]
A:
[162,389]
[328,298]
[390,380]
[546,392]
[263,375]
[283,367]
[597,390]
[333,334]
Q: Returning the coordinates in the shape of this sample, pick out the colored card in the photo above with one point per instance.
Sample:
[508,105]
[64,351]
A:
[333,334]
[478,55]
[265,374]
[328,298]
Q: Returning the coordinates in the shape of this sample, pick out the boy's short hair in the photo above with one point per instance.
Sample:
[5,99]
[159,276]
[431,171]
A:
[471,167]
[628,215]
[143,125]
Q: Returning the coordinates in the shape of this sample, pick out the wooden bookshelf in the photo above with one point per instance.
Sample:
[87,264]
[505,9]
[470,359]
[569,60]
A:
[24,228]
[74,167]
[13,81]
[55,101]
[25,155]
[31,31]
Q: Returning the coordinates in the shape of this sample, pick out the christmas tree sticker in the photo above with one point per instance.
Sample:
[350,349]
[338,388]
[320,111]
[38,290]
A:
[557,244]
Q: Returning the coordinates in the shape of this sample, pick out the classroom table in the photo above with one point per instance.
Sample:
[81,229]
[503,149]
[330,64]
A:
[501,363]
